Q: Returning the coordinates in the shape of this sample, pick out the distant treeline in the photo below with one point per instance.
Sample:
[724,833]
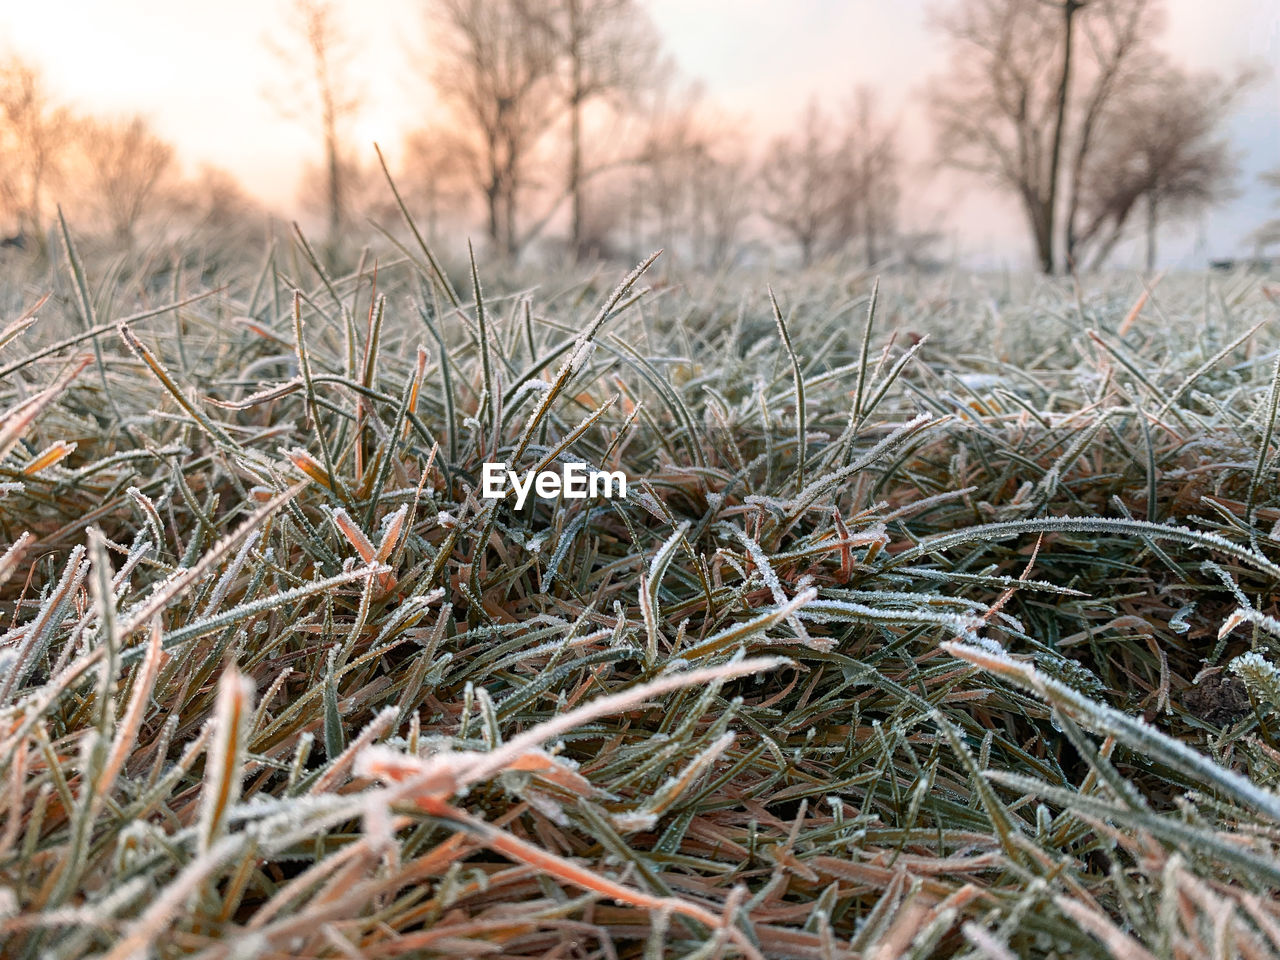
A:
[562,126]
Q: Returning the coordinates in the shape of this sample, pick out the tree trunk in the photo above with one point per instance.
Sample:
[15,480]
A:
[1044,247]
[575,130]
[1072,239]
[1104,250]
[335,193]
[433,211]
[1050,203]
[633,222]
[869,230]
[334,182]
[868,202]
[30,225]
[491,199]
[1041,231]
[1152,224]
[510,244]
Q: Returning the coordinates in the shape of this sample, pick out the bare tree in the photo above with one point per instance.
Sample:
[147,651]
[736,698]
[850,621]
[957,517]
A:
[675,142]
[722,197]
[363,191]
[799,183]
[124,168]
[325,92]
[495,67]
[1269,232]
[1161,149]
[607,51]
[433,176]
[214,206]
[692,187]
[218,220]
[1120,57]
[34,136]
[1018,101]
[867,178]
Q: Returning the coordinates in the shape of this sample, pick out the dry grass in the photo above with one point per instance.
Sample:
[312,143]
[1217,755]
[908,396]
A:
[898,647]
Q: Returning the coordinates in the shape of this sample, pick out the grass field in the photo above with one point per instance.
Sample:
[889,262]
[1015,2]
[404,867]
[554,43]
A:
[936,622]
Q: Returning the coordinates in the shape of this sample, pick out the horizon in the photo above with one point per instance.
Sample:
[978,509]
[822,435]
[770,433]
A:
[212,102]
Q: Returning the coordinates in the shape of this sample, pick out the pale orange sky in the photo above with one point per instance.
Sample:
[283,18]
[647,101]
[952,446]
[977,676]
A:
[198,71]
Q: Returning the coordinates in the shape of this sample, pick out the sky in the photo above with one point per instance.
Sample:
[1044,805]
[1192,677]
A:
[203,74]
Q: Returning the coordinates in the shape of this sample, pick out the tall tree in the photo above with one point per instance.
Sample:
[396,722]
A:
[721,202]
[1118,37]
[1019,102]
[691,188]
[676,142]
[324,92]
[495,68]
[867,166]
[799,182]
[35,134]
[433,177]
[608,53]
[1161,152]
[125,166]
[1268,233]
